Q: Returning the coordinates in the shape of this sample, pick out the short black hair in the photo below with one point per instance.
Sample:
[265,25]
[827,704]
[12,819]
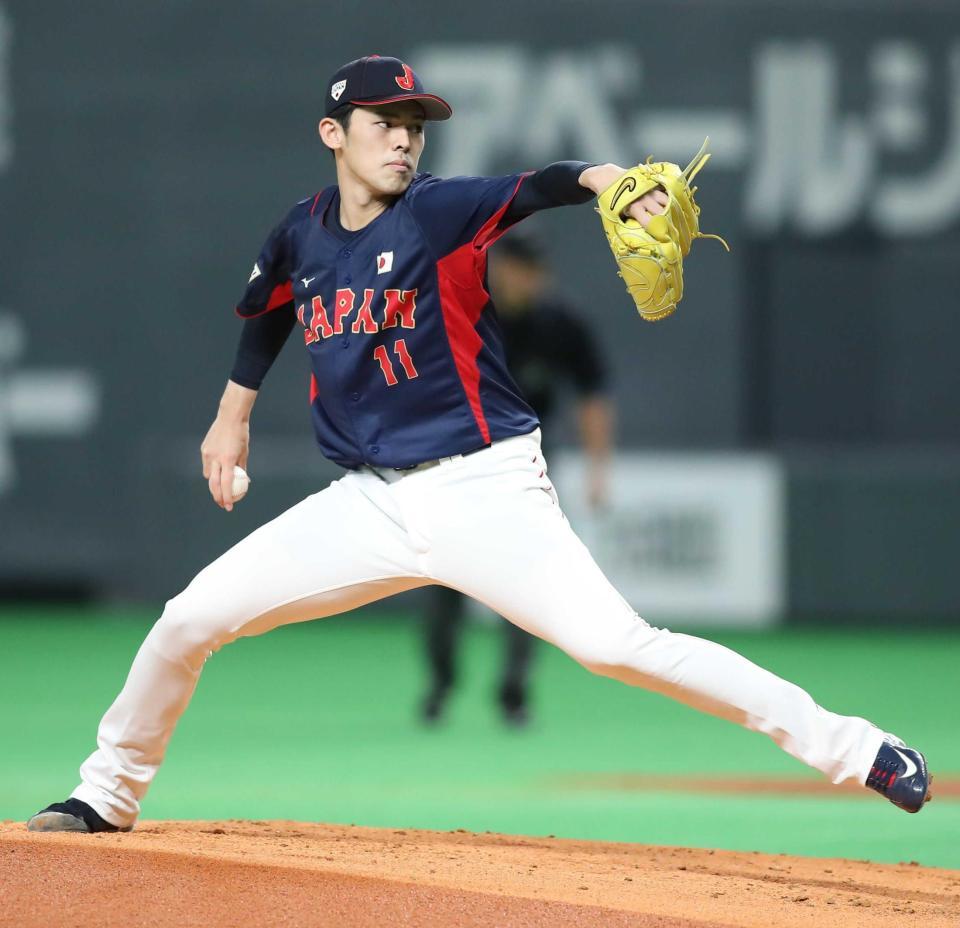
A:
[342,115]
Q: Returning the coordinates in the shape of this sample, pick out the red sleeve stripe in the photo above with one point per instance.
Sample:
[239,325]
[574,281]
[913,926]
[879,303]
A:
[489,232]
[282,294]
[461,306]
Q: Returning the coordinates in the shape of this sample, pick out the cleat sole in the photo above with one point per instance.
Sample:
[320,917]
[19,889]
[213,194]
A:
[57,821]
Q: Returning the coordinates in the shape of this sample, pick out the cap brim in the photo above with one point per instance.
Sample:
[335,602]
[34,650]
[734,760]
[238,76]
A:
[434,107]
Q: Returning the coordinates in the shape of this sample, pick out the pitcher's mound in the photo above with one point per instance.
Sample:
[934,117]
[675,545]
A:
[261,874]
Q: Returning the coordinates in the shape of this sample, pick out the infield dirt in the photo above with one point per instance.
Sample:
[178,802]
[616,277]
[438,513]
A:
[292,873]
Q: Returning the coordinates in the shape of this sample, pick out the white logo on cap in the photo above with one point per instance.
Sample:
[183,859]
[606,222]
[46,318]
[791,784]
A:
[336,91]
[254,274]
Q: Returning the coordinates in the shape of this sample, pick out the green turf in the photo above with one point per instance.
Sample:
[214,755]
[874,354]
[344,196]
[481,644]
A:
[317,722]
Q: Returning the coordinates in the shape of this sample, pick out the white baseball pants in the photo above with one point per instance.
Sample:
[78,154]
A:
[487,524]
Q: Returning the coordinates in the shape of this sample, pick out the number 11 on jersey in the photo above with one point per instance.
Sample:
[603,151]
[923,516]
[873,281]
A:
[386,365]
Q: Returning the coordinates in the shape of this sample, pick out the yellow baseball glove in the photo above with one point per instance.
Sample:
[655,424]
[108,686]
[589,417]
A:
[651,259]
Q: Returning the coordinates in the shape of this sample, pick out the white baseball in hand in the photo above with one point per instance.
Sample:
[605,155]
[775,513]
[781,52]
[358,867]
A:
[241,483]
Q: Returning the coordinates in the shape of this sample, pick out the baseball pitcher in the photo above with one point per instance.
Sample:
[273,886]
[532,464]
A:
[384,276]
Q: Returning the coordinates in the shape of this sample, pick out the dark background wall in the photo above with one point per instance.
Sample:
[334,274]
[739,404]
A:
[145,152]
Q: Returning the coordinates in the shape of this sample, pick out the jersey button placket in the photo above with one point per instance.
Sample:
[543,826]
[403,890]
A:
[346,278]
[345,255]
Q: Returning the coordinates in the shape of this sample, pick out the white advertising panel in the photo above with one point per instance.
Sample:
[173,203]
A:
[686,538]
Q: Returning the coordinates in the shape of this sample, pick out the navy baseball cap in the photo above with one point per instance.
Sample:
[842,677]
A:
[372,80]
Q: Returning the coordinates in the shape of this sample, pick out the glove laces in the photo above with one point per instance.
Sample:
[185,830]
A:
[689,173]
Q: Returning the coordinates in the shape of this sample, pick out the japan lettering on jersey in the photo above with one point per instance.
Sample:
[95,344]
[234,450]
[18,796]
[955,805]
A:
[406,355]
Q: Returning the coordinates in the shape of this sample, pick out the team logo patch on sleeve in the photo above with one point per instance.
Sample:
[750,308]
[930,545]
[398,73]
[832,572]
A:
[384,262]
[336,91]
[254,274]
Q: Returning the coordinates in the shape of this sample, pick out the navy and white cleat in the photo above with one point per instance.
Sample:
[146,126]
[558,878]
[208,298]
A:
[900,774]
[72,815]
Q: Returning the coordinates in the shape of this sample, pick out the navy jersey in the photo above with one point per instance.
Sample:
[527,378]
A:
[406,356]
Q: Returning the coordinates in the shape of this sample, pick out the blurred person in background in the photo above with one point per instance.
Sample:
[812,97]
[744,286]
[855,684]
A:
[548,349]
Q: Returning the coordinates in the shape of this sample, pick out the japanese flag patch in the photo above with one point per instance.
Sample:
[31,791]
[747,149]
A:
[336,91]
[384,262]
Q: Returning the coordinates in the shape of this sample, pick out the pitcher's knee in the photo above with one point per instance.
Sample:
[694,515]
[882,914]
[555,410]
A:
[607,653]
[603,666]
[601,655]
[189,629]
